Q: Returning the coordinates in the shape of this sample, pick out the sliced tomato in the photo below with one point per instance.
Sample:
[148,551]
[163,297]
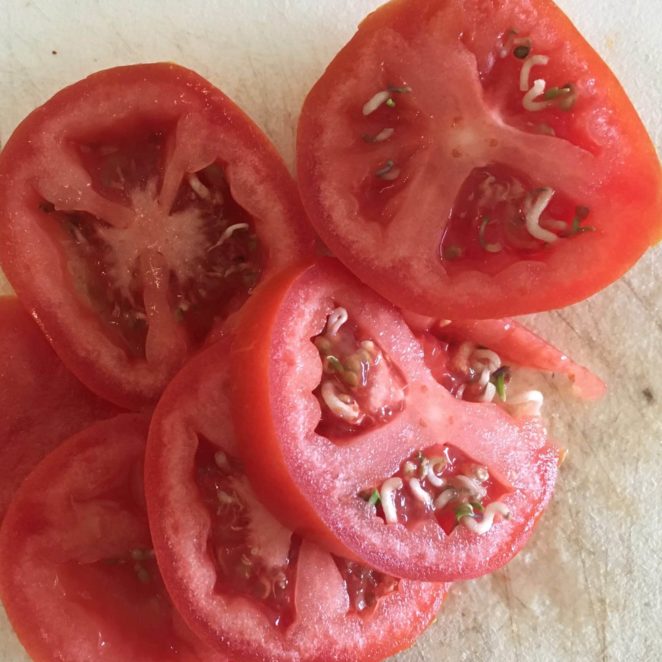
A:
[519,346]
[322,446]
[437,166]
[138,209]
[42,403]
[78,576]
[243,582]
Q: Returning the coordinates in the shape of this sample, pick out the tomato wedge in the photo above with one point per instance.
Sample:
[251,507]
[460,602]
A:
[363,449]
[77,573]
[470,159]
[243,582]
[138,209]
[42,403]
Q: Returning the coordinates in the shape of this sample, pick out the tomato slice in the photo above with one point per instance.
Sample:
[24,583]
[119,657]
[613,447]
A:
[77,572]
[42,403]
[329,483]
[139,209]
[243,582]
[434,163]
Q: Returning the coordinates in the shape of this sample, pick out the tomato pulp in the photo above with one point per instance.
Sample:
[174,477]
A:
[474,160]
[139,207]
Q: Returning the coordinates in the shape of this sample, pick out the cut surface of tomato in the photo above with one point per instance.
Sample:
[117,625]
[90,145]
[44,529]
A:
[241,580]
[78,576]
[41,402]
[379,493]
[139,208]
[473,160]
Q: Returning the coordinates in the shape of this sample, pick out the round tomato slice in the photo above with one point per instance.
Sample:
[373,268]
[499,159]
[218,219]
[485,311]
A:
[138,209]
[78,576]
[363,449]
[42,403]
[243,582]
[470,159]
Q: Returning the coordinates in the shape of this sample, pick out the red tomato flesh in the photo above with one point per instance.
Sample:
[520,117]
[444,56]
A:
[431,166]
[78,576]
[319,483]
[42,403]
[138,209]
[243,582]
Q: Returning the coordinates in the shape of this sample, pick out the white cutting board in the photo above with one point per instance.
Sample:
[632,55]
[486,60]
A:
[588,585]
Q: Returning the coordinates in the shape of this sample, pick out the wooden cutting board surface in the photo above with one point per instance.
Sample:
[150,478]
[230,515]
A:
[588,585]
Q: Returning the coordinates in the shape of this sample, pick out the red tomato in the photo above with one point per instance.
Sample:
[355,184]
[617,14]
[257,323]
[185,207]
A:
[138,208]
[242,581]
[519,346]
[77,573]
[41,402]
[322,434]
[435,165]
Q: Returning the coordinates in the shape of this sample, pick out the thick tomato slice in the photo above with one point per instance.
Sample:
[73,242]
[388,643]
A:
[243,582]
[470,159]
[138,208]
[41,402]
[368,453]
[78,576]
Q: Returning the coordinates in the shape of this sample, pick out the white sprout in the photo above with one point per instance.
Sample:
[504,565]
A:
[369,346]
[533,212]
[494,508]
[529,100]
[391,175]
[527,402]
[335,320]
[227,233]
[488,394]
[221,460]
[383,135]
[419,493]
[375,102]
[409,467]
[435,480]
[470,485]
[559,226]
[484,378]
[525,72]
[487,357]
[198,187]
[348,411]
[387,497]
[445,498]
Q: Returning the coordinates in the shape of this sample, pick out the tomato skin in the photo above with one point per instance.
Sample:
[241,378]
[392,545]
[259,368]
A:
[274,412]
[195,405]
[67,547]
[36,164]
[42,403]
[405,267]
